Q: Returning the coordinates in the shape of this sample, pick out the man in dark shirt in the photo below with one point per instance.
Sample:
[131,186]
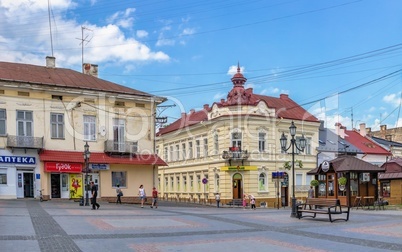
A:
[94,191]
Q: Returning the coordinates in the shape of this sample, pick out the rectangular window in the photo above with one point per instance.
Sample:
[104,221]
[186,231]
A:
[183,151]
[307,150]
[57,125]
[197,148]
[299,179]
[178,183]
[24,123]
[261,142]
[262,182]
[3,117]
[171,157]
[3,176]
[191,183]
[89,128]
[190,150]
[205,147]
[184,183]
[216,144]
[177,152]
[166,183]
[119,178]
[171,184]
[199,182]
[165,154]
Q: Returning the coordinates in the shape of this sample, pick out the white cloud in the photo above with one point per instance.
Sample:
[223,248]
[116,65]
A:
[122,18]
[233,70]
[23,42]
[393,99]
[219,96]
[188,31]
[142,34]
[270,91]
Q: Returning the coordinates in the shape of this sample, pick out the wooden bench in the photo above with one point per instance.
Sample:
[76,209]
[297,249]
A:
[314,206]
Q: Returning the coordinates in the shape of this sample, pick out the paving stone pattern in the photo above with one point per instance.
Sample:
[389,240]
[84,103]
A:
[62,225]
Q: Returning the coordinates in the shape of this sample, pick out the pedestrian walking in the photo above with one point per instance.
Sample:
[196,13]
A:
[244,201]
[94,191]
[252,202]
[119,194]
[154,198]
[311,192]
[218,199]
[141,193]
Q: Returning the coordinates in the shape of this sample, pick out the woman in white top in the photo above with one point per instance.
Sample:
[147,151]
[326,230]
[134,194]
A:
[141,193]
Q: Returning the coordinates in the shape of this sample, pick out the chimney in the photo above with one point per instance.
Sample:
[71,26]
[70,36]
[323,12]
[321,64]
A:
[183,115]
[206,106]
[50,61]
[363,129]
[383,127]
[192,111]
[222,100]
[90,69]
[283,96]
[340,130]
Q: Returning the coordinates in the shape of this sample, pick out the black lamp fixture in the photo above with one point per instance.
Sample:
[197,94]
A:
[293,144]
[87,154]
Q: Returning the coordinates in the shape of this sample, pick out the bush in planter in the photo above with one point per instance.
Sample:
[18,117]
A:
[314,182]
[342,181]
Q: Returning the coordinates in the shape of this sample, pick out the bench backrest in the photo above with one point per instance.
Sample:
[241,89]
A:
[322,202]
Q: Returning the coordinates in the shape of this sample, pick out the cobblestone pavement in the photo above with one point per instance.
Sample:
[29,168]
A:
[62,225]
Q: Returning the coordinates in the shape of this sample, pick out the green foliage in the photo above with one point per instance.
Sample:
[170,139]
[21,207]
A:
[314,182]
[342,181]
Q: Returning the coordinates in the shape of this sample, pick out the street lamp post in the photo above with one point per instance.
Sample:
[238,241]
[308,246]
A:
[293,144]
[87,154]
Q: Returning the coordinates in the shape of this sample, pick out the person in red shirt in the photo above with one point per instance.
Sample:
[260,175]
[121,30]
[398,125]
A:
[154,198]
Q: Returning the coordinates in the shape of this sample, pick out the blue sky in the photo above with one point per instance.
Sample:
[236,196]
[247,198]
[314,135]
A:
[336,58]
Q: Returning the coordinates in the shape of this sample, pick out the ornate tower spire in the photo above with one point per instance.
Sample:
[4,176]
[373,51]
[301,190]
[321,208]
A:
[238,79]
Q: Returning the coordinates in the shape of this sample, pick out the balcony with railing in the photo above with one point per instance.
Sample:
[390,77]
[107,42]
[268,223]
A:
[24,142]
[124,147]
[235,154]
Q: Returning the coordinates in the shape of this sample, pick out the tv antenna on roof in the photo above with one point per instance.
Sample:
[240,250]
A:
[82,44]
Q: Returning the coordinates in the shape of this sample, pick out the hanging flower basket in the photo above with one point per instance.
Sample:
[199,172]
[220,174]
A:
[342,181]
[314,182]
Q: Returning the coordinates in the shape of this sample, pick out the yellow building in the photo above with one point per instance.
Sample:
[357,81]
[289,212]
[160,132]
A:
[233,148]
[48,115]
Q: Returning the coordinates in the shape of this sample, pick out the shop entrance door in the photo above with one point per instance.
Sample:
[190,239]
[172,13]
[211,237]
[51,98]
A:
[55,185]
[95,178]
[25,184]
[237,186]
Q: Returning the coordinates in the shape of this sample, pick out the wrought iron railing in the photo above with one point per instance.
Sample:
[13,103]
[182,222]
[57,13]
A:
[24,142]
[121,147]
[235,153]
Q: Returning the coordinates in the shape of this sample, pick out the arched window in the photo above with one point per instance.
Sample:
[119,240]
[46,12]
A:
[262,182]
[217,183]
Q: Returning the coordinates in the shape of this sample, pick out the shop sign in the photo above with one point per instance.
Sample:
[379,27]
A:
[63,167]
[17,160]
[99,166]
[239,168]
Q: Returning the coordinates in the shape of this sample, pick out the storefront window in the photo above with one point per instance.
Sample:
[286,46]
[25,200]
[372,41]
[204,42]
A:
[322,187]
[353,184]
[3,176]
[119,178]
[386,189]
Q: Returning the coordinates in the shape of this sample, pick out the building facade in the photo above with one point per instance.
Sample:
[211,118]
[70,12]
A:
[232,148]
[48,115]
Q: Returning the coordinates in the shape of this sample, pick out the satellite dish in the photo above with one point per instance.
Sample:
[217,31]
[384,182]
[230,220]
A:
[102,130]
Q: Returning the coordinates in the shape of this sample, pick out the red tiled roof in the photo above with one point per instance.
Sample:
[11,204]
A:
[99,158]
[284,106]
[185,121]
[60,77]
[365,144]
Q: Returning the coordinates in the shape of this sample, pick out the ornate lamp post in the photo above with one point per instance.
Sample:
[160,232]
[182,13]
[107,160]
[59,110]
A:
[293,144]
[87,154]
